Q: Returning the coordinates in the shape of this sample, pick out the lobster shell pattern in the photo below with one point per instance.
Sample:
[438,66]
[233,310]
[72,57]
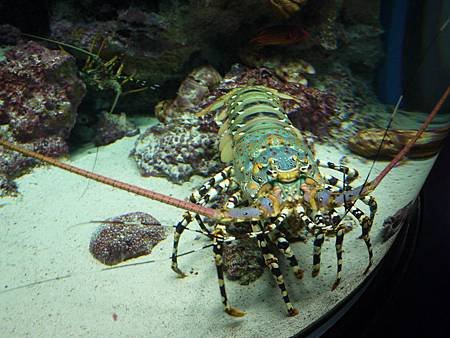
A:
[257,134]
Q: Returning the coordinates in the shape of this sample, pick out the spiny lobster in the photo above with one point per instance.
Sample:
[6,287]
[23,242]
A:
[272,176]
[98,74]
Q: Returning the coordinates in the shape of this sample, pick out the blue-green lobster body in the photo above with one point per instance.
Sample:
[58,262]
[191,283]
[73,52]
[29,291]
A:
[262,145]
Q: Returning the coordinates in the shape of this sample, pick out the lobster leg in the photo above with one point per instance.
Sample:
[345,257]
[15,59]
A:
[320,229]
[234,200]
[338,245]
[272,263]
[318,241]
[206,193]
[187,218]
[350,173]
[373,206]
[218,243]
[217,178]
[366,224]
[282,243]
[335,182]
[283,246]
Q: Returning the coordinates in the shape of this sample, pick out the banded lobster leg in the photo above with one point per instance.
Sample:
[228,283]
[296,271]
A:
[322,226]
[277,237]
[366,224]
[335,226]
[205,194]
[350,174]
[219,235]
[272,263]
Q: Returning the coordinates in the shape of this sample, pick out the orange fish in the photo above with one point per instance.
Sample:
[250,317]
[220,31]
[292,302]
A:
[280,36]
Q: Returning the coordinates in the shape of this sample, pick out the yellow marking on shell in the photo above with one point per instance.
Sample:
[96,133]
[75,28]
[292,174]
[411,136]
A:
[310,181]
[275,204]
[274,139]
[288,176]
[252,186]
[257,168]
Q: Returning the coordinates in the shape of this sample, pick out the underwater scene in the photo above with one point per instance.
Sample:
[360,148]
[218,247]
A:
[207,168]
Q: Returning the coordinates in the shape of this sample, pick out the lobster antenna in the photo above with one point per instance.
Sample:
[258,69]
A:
[198,209]
[388,127]
[92,170]
[81,50]
[373,184]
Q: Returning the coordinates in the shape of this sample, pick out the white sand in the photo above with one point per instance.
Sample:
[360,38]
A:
[39,240]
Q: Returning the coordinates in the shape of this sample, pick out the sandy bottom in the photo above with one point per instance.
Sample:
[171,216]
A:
[41,238]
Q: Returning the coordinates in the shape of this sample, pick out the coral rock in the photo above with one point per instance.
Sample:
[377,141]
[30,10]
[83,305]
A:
[177,151]
[7,187]
[197,85]
[40,91]
[125,237]
[39,96]
[111,127]
[243,261]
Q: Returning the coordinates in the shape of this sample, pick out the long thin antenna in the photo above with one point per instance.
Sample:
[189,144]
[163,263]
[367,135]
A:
[81,50]
[373,184]
[198,209]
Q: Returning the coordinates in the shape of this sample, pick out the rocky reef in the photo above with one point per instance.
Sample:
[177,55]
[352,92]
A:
[177,151]
[111,127]
[160,42]
[153,50]
[125,237]
[40,93]
[39,96]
